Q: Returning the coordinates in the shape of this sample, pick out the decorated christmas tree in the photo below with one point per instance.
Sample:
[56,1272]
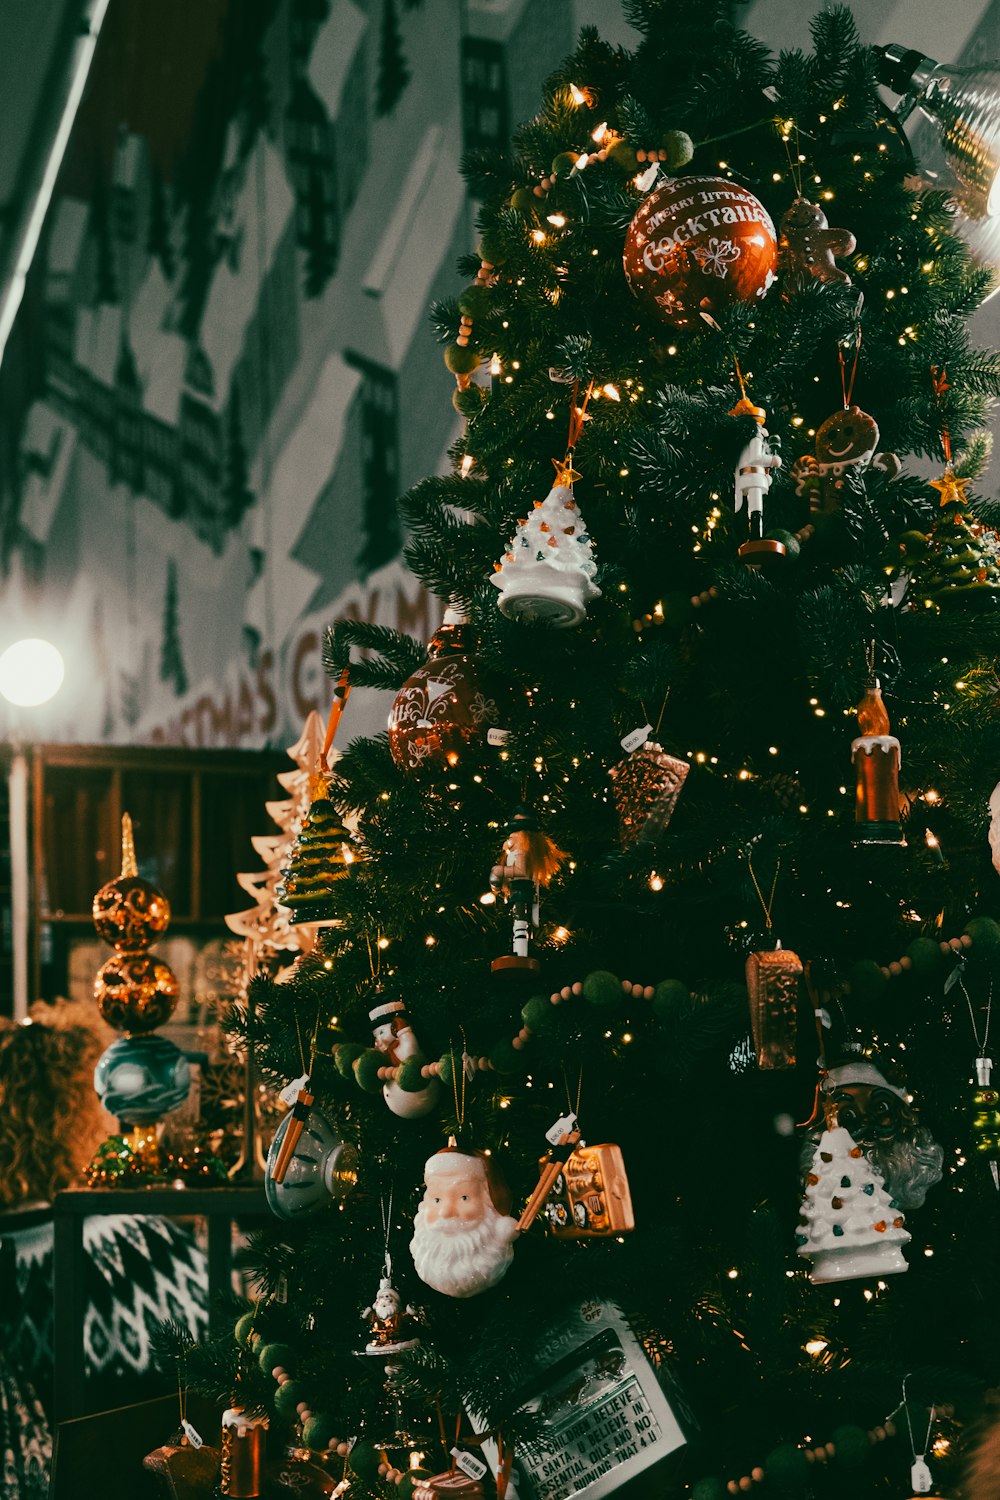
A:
[576,1248]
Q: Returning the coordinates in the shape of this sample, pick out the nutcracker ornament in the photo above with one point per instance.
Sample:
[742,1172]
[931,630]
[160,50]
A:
[697,244]
[442,714]
[394,1036]
[876,757]
[546,576]
[463,1235]
[753,480]
[849,1226]
[530,859]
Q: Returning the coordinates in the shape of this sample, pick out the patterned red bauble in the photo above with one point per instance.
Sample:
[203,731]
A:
[696,244]
[442,714]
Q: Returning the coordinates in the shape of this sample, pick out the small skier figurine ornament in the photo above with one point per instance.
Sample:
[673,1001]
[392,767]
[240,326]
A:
[753,480]
[530,859]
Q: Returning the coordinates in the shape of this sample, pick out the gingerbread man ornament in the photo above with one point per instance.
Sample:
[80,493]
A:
[845,442]
[807,248]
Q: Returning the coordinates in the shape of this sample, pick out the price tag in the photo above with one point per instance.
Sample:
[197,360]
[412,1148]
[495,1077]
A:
[636,737]
[497,736]
[920,1478]
[647,178]
[290,1093]
[562,1127]
[468,1463]
[192,1434]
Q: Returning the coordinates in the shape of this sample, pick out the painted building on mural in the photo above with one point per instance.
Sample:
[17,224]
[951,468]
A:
[238,377]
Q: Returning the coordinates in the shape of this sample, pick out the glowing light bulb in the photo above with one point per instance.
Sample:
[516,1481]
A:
[31,672]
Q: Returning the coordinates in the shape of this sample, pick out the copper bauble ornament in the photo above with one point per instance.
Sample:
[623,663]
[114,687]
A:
[696,244]
[129,912]
[441,715]
[135,991]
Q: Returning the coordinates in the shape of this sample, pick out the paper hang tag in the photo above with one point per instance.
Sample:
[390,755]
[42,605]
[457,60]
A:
[984,1067]
[955,976]
[921,1482]
[562,1127]
[468,1463]
[290,1093]
[636,737]
[192,1434]
[281,1290]
[646,179]
[497,736]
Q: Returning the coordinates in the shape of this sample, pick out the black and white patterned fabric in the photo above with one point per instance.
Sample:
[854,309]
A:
[139,1272]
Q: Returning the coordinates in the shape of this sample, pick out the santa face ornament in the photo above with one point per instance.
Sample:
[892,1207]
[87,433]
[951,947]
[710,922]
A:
[463,1235]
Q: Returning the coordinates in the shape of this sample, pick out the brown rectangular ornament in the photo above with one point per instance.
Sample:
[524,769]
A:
[773,986]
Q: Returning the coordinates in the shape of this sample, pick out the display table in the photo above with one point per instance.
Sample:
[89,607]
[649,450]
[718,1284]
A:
[219,1206]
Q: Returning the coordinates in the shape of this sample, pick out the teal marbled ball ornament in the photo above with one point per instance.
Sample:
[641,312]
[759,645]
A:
[142,1078]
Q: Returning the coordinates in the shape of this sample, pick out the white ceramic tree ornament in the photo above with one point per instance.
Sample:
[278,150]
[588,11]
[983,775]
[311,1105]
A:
[849,1226]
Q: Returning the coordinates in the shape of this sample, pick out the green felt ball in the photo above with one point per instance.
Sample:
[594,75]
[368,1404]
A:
[867,980]
[538,1013]
[475,302]
[366,1070]
[506,1059]
[491,248]
[852,1445]
[461,361]
[449,1068]
[679,148]
[317,1432]
[345,1055]
[273,1355]
[677,609]
[788,540]
[926,957]
[411,1478]
[525,203]
[563,164]
[470,402]
[410,1079]
[787,1466]
[364,1460]
[288,1396]
[244,1328]
[669,997]
[711,1488]
[985,934]
[623,155]
[602,989]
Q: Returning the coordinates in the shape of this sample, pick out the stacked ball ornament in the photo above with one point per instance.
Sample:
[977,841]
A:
[697,244]
[141,1076]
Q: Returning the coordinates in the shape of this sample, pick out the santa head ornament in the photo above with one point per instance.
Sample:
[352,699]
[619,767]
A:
[463,1235]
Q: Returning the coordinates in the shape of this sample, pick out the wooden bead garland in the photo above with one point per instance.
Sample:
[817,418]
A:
[820,1454]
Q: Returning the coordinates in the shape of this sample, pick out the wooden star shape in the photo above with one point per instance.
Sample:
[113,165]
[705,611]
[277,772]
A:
[950,488]
[565,474]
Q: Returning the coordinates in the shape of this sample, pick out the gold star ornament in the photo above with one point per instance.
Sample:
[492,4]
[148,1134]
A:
[950,488]
[565,474]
